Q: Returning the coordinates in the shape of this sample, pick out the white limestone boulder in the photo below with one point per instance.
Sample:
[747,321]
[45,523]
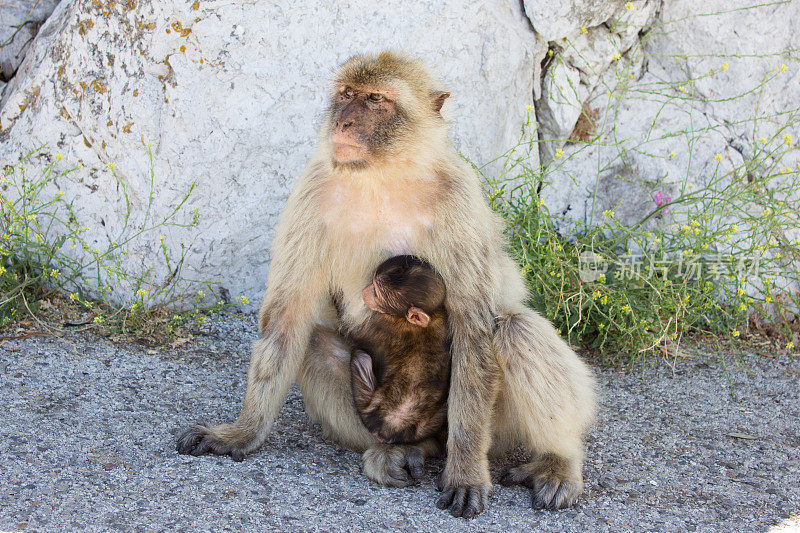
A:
[229,95]
[707,81]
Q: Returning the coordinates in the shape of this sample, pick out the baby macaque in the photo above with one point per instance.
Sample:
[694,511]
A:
[403,399]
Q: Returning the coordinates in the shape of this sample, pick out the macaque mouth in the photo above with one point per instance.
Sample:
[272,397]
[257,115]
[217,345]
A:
[348,144]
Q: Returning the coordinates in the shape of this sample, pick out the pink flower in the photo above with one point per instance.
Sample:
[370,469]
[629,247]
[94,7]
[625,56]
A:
[662,200]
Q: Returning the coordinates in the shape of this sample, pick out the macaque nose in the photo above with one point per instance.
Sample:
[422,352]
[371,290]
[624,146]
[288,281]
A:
[343,124]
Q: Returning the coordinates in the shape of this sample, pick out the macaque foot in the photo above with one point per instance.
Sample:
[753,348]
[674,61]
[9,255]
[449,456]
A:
[394,465]
[200,439]
[550,478]
[463,501]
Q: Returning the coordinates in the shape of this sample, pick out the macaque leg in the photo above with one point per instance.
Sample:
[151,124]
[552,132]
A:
[324,380]
[546,404]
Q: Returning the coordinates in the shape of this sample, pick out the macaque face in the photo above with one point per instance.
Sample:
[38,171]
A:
[364,121]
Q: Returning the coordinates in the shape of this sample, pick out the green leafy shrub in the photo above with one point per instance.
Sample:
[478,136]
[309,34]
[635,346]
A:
[44,255]
[717,258]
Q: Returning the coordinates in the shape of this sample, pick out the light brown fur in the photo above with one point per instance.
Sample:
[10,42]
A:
[514,380]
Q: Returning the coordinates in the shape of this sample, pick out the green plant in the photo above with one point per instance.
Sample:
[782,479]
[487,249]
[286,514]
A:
[44,253]
[719,257]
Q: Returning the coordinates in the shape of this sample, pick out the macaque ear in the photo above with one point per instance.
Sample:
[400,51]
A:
[438,98]
[417,316]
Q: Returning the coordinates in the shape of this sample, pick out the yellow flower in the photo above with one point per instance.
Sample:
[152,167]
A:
[718,158]
[584,30]
[243,300]
[98,319]
[683,89]
[762,140]
[742,307]
[789,346]
[110,165]
[616,56]
[596,295]
[559,153]
[626,308]
[2,270]
[59,194]
[602,279]
[734,227]
[604,300]
[767,212]
[200,294]
[161,238]
[629,6]
[59,157]
[740,291]
[781,68]
[686,228]
[778,255]
[31,217]
[528,107]
[725,66]
[735,333]
[55,272]
[788,139]
[769,299]
[672,154]
[140,293]
[73,296]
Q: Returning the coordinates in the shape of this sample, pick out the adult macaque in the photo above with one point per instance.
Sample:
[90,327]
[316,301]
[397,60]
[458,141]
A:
[386,181]
[407,402]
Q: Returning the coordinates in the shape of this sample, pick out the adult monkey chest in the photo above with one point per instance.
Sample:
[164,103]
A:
[390,218]
[366,224]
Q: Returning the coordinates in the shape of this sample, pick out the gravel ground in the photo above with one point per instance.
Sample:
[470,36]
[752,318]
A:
[87,443]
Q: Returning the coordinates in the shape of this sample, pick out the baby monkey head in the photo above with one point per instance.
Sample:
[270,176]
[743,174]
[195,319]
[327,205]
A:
[405,286]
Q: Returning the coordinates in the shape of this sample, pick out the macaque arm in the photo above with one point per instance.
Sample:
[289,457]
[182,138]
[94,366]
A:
[296,290]
[362,377]
[465,253]
[295,293]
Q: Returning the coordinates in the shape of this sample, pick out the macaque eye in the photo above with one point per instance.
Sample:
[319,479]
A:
[375,97]
[348,93]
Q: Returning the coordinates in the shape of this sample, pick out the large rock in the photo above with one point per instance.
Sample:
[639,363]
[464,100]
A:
[20,21]
[554,19]
[593,37]
[230,95]
[705,81]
